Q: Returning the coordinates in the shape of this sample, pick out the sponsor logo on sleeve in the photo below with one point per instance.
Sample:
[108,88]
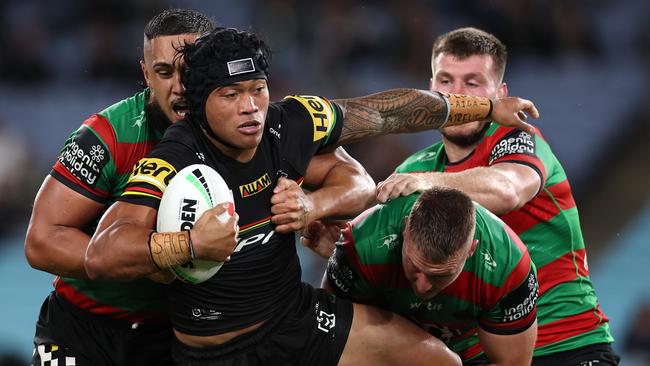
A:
[255,187]
[321,114]
[515,142]
[85,157]
[521,301]
[339,272]
[153,171]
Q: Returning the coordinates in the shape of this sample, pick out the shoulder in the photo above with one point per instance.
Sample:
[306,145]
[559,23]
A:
[423,159]
[129,112]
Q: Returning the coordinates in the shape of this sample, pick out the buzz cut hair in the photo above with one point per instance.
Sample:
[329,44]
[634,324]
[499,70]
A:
[465,42]
[441,222]
[171,22]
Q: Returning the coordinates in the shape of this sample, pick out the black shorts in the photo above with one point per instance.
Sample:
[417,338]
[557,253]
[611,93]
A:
[600,354]
[75,337]
[313,331]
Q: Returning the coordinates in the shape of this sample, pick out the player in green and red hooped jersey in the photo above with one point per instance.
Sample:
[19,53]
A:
[447,264]
[90,173]
[515,175]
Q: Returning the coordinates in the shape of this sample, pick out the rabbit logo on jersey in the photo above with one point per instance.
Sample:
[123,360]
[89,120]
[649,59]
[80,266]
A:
[85,157]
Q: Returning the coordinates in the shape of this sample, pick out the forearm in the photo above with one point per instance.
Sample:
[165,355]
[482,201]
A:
[407,110]
[58,250]
[491,188]
[346,191]
[120,252]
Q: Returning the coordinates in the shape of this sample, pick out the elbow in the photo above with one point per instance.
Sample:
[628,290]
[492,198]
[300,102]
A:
[508,199]
[36,248]
[95,264]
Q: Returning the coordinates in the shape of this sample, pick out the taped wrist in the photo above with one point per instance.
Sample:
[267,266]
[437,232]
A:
[170,249]
[466,108]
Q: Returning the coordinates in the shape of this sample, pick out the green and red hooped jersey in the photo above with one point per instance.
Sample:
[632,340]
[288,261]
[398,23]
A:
[568,312]
[96,161]
[496,290]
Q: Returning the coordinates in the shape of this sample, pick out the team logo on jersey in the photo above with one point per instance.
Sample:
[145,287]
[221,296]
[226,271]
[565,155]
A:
[85,157]
[389,241]
[322,114]
[429,155]
[252,188]
[488,261]
[515,142]
[153,171]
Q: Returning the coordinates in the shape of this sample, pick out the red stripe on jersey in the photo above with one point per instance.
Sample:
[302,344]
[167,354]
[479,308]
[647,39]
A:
[254,223]
[541,208]
[378,275]
[143,190]
[81,301]
[561,192]
[471,351]
[103,128]
[471,288]
[129,153]
[570,326]
[562,270]
[65,173]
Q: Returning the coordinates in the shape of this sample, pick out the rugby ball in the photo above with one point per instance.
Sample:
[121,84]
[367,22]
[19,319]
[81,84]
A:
[192,191]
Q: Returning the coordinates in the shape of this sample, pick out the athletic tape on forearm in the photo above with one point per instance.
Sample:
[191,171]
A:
[466,108]
[170,249]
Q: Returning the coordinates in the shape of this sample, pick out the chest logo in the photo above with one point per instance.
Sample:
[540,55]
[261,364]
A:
[255,187]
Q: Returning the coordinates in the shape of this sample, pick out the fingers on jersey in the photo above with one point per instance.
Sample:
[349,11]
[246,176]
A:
[321,236]
[399,185]
[372,341]
[212,238]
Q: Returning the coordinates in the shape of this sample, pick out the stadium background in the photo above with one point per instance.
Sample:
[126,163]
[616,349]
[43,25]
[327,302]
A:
[585,63]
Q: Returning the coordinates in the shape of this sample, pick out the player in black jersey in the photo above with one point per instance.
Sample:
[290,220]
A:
[256,311]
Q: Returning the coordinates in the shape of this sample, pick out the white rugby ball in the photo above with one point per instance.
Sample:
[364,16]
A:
[192,191]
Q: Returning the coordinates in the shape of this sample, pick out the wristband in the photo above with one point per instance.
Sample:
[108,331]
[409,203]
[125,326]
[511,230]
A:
[170,249]
[466,108]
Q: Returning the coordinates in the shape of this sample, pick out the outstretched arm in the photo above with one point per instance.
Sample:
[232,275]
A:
[500,188]
[412,110]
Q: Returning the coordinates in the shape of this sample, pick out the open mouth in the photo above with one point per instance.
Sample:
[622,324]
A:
[250,127]
[180,109]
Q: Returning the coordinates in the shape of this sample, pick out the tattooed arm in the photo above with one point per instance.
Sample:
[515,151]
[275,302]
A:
[412,110]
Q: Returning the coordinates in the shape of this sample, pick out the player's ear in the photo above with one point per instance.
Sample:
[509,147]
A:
[472,249]
[431,85]
[502,92]
[145,72]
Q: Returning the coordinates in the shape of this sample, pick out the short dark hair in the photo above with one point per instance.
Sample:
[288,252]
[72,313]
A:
[465,42]
[440,223]
[171,22]
[208,61]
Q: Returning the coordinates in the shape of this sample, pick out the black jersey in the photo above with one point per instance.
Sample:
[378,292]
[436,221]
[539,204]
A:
[262,277]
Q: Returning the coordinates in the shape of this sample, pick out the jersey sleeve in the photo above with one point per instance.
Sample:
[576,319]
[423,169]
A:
[308,125]
[151,175]
[512,145]
[515,308]
[368,256]
[345,273]
[86,161]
